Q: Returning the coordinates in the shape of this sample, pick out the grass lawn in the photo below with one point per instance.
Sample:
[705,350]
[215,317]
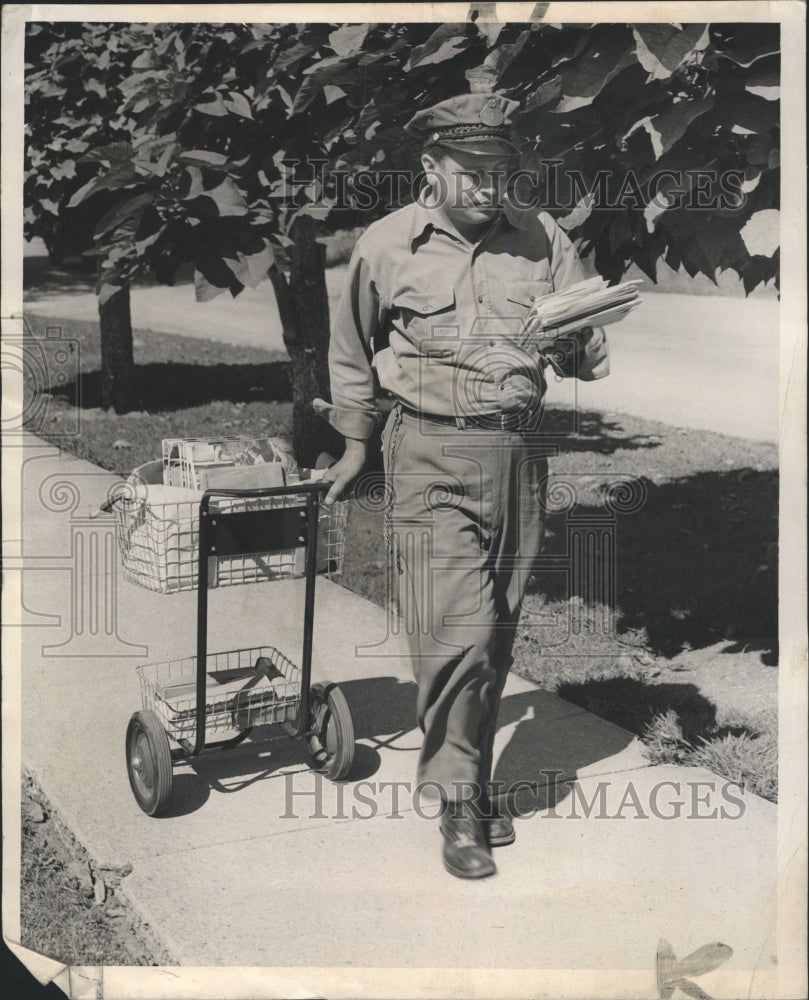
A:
[695,564]
[68,911]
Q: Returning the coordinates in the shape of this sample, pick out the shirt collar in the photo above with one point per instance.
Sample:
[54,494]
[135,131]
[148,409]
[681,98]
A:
[425,219]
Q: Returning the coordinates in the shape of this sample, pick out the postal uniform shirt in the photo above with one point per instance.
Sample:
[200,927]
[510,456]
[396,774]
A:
[440,320]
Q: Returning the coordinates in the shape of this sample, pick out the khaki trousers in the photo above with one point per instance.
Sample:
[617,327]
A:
[466,525]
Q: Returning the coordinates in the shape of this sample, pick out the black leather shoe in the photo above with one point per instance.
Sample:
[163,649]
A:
[500,830]
[466,853]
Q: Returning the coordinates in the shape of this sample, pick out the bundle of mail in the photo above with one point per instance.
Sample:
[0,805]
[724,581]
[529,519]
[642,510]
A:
[591,302]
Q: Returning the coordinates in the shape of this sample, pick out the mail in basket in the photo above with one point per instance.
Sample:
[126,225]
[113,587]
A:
[158,536]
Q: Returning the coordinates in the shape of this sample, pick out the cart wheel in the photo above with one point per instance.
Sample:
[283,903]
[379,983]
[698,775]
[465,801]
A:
[331,739]
[148,762]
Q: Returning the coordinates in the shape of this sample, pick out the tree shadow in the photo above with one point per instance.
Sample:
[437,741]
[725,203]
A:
[768,647]
[167,386]
[632,703]
[695,562]
[576,430]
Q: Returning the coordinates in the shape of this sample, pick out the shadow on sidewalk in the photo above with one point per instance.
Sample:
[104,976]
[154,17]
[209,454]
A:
[544,752]
[384,713]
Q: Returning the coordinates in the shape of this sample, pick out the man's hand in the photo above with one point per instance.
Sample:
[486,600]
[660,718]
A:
[344,472]
[568,349]
[598,346]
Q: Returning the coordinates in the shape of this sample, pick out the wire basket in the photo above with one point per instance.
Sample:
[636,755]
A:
[159,543]
[246,687]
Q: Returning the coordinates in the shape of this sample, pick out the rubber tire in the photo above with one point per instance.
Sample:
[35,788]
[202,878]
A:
[148,762]
[332,748]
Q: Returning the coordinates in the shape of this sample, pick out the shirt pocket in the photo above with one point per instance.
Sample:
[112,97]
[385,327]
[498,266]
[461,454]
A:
[428,321]
[521,295]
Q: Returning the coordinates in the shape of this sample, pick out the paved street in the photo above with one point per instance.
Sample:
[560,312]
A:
[701,361]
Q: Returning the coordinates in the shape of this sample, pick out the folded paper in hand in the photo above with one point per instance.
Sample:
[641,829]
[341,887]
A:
[587,303]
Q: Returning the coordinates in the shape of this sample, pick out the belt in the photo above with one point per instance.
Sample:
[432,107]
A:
[488,422]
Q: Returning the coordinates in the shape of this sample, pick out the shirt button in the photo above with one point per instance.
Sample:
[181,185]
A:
[492,343]
[533,297]
[480,298]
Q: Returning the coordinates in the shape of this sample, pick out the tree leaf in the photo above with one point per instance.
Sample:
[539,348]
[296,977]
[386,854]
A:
[759,270]
[251,269]
[585,78]
[106,292]
[546,93]
[747,110]
[204,291]
[215,106]
[214,269]
[288,59]
[758,149]
[203,156]
[84,192]
[316,77]
[671,126]
[444,43]
[239,104]
[112,151]
[132,206]
[64,170]
[662,48]
[227,198]
[761,236]
[747,55]
[96,87]
[196,186]
[348,38]
[765,73]
[502,57]
[481,79]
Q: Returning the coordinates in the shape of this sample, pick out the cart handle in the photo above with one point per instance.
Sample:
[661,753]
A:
[258,491]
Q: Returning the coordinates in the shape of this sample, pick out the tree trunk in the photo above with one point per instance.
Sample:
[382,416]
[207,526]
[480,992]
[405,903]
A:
[303,305]
[118,388]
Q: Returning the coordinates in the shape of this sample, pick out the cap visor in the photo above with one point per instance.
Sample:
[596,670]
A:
[481,147]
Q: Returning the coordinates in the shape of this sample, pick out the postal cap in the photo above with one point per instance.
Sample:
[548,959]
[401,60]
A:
[476,123]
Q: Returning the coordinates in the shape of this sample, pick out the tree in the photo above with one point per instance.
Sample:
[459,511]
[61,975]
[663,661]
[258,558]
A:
[241,137]
[72,72]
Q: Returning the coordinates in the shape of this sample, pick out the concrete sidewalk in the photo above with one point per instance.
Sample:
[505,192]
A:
[699,361]
[260,863]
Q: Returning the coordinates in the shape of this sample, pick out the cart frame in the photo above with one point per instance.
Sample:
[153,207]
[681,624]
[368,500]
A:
[237,533]
[240,533]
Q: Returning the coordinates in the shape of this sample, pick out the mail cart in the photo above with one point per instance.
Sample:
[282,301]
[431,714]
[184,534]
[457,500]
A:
[210,702]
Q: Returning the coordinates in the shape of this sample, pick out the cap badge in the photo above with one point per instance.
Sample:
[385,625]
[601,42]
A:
[491,114]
